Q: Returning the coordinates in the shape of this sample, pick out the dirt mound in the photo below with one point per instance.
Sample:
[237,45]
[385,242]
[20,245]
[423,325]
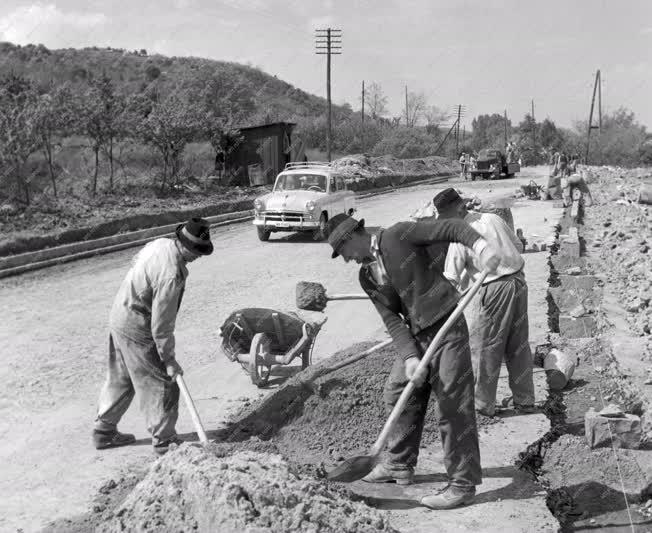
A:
[315,418]
[193,489]
[365,166]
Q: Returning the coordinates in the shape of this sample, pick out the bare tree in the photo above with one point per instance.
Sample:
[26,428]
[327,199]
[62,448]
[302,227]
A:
[416,107]
[375,101]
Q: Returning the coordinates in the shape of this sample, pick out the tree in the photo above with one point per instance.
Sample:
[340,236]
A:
[227,102]
[167,123]
[90,115]
[111,118]
[375,101]
[416,107]
[529,148]
[55,119]
[619,142]
[434,118]
[404,142]
[489,131]
[18,130]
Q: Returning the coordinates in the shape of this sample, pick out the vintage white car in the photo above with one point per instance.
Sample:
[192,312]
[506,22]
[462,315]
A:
[305,197]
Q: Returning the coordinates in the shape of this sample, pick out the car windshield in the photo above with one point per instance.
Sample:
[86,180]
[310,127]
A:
[301,182]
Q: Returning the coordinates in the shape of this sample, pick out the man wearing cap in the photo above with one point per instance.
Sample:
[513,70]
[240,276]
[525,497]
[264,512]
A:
[141,339]
[500,329]
[407,287]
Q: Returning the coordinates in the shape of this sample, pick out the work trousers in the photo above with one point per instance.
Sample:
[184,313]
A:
[499,331]
[451,379]
[137,367]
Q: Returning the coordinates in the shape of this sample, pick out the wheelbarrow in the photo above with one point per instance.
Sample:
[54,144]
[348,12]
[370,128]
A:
[532,190]
[259,339]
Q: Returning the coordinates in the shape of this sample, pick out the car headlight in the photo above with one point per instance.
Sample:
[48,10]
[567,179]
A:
[310,205]
[258,205]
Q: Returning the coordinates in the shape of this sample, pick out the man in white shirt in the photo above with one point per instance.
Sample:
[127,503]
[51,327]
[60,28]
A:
[141,340]
[501,329]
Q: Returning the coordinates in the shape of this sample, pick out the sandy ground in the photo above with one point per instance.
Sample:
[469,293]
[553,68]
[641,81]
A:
[54,342]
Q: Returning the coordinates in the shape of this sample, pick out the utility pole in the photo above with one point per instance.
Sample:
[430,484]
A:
[534,132]
[591,126]
[457,135]
[407,114]
[463,134]
[599,102]
[328,42]
[362,118]
[505,127]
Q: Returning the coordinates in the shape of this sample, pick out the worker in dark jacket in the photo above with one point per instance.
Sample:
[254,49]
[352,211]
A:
[407,287]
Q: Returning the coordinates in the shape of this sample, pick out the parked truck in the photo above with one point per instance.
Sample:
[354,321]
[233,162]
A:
[492,164]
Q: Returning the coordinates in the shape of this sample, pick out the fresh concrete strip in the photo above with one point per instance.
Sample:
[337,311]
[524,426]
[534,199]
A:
[164,231]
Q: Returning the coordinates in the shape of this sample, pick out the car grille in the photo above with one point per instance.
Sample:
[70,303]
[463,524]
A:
[283,216]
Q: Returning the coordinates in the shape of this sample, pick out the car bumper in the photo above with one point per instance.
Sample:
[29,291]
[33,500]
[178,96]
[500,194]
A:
[286,226]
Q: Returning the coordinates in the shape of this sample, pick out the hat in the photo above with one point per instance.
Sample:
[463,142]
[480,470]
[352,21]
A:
[195,236]
[445,198]
[340,229]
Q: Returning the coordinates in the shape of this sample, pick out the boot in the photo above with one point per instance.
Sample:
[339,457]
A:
[402,475]
[111,439]
[161,448]
[450,497]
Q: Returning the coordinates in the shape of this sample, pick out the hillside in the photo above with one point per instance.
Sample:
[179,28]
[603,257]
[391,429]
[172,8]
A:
[133,71]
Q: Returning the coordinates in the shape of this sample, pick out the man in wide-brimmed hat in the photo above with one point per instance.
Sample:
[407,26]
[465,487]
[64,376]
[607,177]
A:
[141,340]
[406,285]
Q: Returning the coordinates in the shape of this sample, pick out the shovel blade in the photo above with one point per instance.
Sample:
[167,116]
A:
[353,469]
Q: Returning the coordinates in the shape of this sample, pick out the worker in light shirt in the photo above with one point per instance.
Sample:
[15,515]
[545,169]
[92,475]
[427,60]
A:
[501,329]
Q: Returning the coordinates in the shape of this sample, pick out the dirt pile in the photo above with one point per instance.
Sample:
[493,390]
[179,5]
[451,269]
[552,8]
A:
[313,419]
[365,166]
[192,489]
[619,233]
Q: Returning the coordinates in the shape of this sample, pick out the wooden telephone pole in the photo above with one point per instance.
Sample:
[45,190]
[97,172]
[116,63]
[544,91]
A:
[505,127]
[534,133]
[362,118]
[328,42]
[407,113]
[597,86]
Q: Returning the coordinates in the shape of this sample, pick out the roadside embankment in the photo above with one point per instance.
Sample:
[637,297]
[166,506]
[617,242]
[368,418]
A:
[597,470]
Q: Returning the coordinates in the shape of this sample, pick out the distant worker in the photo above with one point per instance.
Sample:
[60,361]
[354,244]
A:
[501,332]
[463,165]
[473,162]
[142,356]
[562,164]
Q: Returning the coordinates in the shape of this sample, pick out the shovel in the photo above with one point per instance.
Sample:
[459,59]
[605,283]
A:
[357,467]
[193,411]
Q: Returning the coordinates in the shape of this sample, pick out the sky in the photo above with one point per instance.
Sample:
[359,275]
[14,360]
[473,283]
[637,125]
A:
[487,55]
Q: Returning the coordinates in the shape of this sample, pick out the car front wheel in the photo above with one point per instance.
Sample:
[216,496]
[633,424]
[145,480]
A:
[263,234]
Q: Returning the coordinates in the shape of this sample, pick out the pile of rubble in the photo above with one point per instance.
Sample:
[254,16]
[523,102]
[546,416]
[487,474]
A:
[362,171]
[196,489]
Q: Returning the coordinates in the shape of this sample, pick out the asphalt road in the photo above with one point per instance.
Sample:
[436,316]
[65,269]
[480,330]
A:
[53,339]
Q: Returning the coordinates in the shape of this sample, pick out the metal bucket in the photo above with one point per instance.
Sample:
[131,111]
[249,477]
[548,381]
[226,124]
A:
[559,368]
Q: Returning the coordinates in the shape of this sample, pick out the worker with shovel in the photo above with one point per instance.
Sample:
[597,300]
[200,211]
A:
[414,300]
[500,329]
[141,340]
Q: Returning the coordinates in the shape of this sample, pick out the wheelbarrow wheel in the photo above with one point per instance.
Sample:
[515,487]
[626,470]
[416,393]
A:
[258,371]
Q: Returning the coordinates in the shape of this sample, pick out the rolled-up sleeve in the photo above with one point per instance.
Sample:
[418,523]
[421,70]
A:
[455,264]
[165,306]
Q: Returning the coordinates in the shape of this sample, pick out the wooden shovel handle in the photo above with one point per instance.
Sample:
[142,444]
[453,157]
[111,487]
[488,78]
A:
[425,361]
[347,297]
[193,411]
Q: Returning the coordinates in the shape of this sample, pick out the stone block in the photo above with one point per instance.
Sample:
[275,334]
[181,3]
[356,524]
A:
[566,300]
[570,249]
[621,431]
[577,283]
[577,328]
[562,262]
